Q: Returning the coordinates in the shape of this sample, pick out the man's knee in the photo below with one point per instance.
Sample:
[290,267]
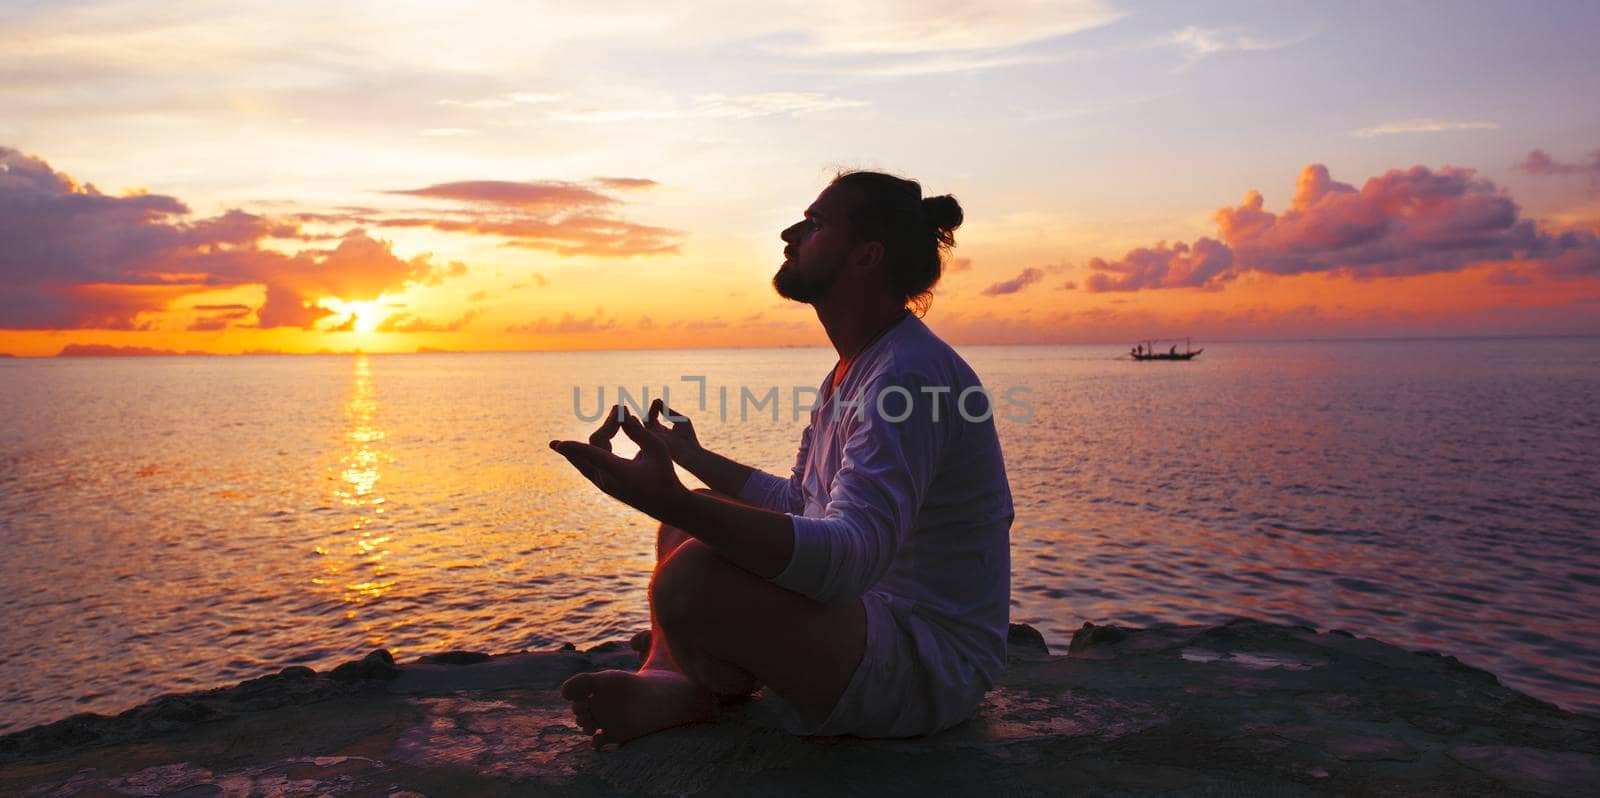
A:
[678,590]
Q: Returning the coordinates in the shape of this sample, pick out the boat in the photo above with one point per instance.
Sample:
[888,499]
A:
[1146,350]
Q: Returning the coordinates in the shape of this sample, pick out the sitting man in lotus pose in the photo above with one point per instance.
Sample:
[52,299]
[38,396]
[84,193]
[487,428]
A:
[870,590]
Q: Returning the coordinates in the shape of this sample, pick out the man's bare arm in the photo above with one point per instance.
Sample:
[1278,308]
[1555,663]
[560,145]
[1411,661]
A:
[719,473]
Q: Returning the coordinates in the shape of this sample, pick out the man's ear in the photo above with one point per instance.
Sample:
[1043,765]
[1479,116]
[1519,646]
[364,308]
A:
[868,255]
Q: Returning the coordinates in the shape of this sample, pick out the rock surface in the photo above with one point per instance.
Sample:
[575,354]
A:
[1239,708]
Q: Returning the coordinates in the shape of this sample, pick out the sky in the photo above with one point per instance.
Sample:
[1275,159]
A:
[398,177]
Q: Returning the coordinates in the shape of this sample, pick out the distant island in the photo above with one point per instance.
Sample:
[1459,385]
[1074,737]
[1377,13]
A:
[107,350]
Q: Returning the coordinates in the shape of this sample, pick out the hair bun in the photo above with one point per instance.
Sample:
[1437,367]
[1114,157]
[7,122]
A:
[942,212]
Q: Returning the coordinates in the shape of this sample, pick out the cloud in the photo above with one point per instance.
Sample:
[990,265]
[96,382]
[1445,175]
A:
[959,265]
[941,63]
[715,106]
[74,257]
[578,234]
[567,324]
[1028,277]
[1420,126]
[837,27]
[1403,222]
[548,196]
[348,325]
[406,323]
[1162,266]
[219,317]
[1539,162]
[446,132]
[1505,276]
[1199,43]
[565,218]
[626,183]
[506,100]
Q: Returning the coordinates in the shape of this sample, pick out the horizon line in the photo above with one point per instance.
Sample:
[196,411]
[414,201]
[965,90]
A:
[134,351]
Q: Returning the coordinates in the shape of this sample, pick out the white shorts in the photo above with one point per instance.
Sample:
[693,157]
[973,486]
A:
[891,693]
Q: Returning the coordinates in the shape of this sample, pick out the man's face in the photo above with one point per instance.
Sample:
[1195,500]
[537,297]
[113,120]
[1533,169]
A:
[818,248]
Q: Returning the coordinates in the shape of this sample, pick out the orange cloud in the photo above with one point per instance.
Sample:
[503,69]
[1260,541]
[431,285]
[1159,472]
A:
[567,324]
[626,183]
[1403,222]
[406,323]
[73,257]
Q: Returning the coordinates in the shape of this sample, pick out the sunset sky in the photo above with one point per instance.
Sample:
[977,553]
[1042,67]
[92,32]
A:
[296,177]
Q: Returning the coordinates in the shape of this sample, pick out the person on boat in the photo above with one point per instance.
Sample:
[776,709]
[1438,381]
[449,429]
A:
[869,590]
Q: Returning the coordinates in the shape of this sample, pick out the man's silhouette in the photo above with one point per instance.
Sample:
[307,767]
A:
[869,591]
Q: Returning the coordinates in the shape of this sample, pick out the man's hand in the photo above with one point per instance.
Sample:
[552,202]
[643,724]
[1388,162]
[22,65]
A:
[679,438]
[647,482]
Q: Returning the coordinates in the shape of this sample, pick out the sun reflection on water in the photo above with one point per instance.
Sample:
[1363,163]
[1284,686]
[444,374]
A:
[354,560]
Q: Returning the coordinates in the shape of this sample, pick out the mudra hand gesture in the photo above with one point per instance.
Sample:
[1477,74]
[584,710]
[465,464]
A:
[647,482]
[679,438]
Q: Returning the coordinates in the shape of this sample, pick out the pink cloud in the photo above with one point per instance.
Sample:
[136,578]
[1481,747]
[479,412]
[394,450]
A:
[1539,162]
[532,196]
[565,218]
[1162,266]
[1028,277]
[1403,222]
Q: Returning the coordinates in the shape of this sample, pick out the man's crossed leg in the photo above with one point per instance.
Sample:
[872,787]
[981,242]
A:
[718,632]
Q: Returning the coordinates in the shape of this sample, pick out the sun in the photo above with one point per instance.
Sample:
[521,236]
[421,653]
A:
[362,317]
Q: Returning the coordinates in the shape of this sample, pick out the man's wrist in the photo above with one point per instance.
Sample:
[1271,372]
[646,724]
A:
[675,508]
[693,460]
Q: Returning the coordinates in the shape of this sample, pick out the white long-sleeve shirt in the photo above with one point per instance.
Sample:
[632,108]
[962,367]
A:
[918,509]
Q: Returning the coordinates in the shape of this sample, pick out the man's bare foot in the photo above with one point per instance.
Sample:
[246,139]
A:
[617,706]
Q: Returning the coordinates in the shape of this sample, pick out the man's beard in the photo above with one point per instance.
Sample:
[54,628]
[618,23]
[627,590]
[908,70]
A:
[791,284]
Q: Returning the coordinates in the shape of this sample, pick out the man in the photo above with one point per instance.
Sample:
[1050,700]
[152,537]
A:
[870,591]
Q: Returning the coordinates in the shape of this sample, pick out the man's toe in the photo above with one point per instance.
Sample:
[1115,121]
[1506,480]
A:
[584,716]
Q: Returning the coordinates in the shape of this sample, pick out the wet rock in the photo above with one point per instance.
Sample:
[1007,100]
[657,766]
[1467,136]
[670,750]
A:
[297,672]
[1240,708]
[1090,635]
[377,665]
[454,658]
[610,647]
[1024,639]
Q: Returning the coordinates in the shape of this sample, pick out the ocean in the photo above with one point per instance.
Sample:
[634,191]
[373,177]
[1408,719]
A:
[173,524]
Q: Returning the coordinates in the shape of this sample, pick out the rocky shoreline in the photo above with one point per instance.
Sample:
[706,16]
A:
[1239,708]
